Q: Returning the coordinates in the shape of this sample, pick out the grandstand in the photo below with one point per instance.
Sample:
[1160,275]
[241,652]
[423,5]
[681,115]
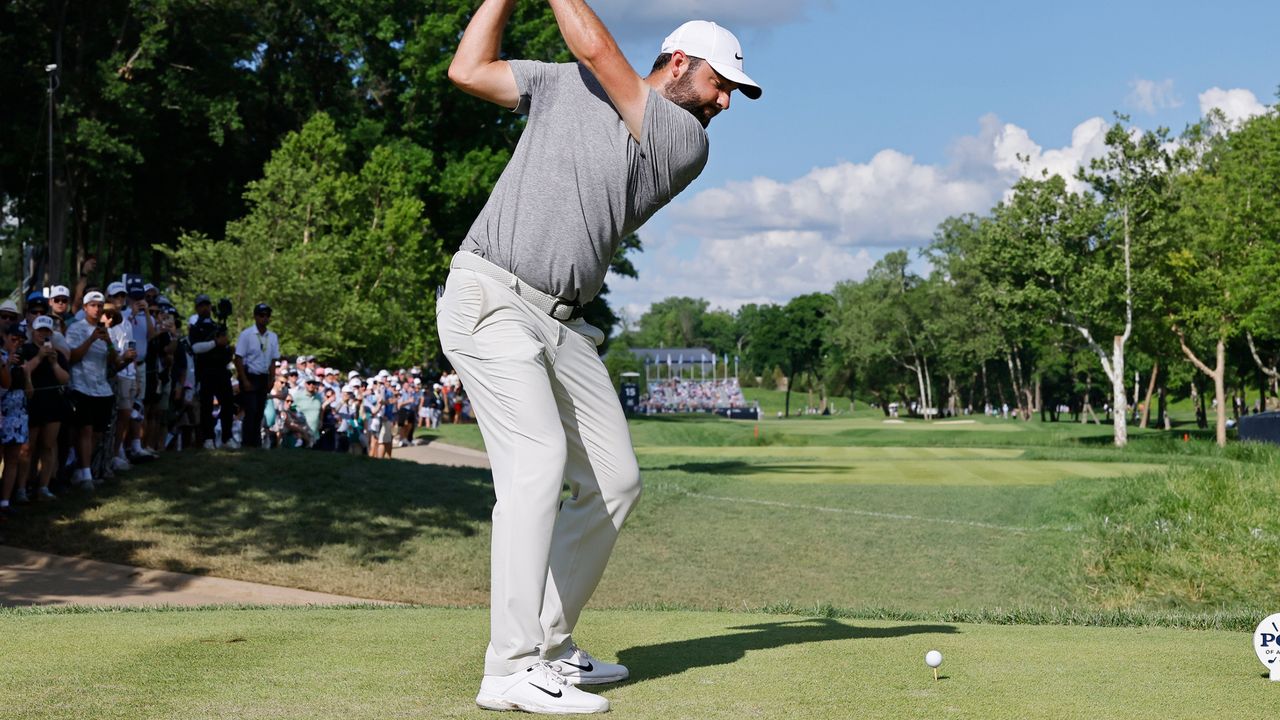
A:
[685,380]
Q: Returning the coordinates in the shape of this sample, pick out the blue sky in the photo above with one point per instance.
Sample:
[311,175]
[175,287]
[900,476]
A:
[879,119]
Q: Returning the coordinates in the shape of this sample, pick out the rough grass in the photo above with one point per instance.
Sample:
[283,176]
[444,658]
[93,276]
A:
[917,521]
[317,664]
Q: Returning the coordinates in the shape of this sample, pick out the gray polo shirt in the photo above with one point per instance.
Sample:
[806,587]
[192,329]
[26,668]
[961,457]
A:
[578,182]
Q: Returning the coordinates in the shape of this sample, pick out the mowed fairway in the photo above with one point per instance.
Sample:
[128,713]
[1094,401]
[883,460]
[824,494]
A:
[800,569]
[423,663]
[916,528]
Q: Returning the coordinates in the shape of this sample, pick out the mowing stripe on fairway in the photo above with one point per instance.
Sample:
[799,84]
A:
[863,513]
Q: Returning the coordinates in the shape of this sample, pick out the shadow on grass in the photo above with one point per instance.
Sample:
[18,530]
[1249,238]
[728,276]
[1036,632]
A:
[649,662]
[268,506]
[738,467]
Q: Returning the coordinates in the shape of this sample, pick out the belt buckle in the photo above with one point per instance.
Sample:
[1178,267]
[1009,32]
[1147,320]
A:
[575,310]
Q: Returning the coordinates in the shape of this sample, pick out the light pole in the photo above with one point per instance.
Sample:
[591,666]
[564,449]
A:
[52,71]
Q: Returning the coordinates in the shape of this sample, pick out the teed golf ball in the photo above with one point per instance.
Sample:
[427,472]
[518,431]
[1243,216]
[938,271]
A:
[933,658]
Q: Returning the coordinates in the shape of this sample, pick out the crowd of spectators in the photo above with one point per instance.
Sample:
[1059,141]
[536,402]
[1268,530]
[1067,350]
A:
[676,395]
[94,380]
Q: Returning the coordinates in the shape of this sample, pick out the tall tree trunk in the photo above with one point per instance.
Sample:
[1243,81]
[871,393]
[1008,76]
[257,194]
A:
[1163,418]
[919,368]
[973,382]
[1014,380]
[1219,375]
[1151,389]
[1119,417]
[928,388]
[986,391]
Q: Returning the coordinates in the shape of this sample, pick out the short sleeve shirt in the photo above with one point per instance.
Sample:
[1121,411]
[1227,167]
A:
[578,182]
[257,350]
[89,376]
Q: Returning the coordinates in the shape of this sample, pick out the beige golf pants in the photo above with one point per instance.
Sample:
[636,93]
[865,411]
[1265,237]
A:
[549,417]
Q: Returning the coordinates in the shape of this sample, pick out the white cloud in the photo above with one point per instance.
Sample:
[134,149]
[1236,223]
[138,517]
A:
[1151,96]
[767,240]
[1015,154]
[889,201]
[1237,104]
[730,272]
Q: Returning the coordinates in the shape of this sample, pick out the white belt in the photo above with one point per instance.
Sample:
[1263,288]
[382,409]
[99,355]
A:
[557,308]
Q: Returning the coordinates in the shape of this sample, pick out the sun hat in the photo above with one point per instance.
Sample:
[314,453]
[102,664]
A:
[719,47]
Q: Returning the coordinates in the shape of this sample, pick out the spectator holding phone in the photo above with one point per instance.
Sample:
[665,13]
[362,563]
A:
[92,352]
[16,390]
[48,409]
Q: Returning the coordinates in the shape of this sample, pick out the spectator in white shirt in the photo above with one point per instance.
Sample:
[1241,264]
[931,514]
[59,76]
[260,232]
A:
[257,352]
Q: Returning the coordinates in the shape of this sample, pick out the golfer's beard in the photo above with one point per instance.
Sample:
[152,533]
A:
[681,92]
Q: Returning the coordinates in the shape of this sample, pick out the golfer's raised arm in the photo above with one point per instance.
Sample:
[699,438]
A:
[476,68]
[590,42]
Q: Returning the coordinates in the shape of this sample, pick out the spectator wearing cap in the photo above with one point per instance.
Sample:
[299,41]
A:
[157,373]
[308,401]
[9,313]
[210,345]
[140,327]
[91,394]
[331,381]
[38,306]
[60,304]
[15,391]
[181,416]
[407,411]
[126,379]
[48,408]
[257,352]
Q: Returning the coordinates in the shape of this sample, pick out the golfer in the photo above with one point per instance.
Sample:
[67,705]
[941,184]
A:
[603,150]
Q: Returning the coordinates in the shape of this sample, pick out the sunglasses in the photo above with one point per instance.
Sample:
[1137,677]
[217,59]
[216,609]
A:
[60,300]
[8,317]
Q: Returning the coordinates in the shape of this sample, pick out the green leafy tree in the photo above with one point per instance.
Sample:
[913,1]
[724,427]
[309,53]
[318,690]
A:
[1133,181]
[1229,220]
[344,257]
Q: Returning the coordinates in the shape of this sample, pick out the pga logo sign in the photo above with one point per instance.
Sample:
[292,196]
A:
[1266,642]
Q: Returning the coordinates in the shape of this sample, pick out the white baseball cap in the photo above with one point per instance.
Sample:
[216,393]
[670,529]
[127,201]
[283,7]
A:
[43,322]
[58,291]
[115,288]
[719,47]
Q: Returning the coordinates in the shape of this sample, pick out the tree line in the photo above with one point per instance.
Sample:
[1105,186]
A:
[311,153]
[1150,274]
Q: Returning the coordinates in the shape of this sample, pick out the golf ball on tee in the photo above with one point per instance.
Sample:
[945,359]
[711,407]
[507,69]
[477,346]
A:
[933,658]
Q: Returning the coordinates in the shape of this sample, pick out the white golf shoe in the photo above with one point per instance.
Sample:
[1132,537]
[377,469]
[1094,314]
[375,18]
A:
[579,668]
[537,689]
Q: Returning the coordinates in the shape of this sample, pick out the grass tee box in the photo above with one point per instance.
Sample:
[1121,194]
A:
[313,664]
